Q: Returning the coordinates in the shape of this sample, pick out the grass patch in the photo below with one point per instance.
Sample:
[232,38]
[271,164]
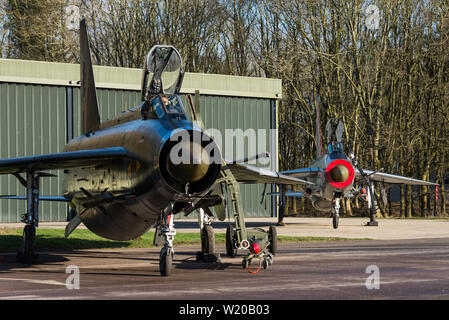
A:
[4,231]
[53,239]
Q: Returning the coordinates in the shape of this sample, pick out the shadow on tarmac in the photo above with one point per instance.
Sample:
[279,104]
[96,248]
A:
[221,224]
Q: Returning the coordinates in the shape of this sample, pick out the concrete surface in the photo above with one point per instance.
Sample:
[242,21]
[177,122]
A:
[406,269]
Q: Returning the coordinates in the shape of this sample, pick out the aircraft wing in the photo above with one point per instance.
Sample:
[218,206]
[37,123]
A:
[245,173]
[391,178]
[288,193]
[43,198]
[302,173]
[63,160]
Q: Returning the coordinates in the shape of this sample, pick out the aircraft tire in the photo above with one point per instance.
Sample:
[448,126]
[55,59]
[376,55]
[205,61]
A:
[273,238]
[230,251]
[207,239]
[28,237]
[335,220]
[165,263]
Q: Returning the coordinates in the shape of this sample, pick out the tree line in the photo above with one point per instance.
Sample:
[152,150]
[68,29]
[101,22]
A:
[381,66]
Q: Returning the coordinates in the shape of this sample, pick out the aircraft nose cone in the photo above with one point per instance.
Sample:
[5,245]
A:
[189,163]
[340,173]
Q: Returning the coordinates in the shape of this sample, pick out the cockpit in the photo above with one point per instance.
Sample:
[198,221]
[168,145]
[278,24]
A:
[164,106]
[335,147]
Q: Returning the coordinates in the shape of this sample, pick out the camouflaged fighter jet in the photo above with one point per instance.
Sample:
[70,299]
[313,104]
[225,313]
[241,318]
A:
[333,175]
[123,175]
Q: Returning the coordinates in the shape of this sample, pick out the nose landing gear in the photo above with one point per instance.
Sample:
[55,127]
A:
[165,232]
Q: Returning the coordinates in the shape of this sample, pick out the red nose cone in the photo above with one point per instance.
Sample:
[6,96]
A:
[339,173]
[255,248]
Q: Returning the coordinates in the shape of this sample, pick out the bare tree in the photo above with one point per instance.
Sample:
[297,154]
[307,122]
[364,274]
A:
[388,81]
[3,30]
[37,30]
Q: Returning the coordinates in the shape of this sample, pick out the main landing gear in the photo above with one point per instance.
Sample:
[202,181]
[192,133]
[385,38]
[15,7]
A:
[372,206]
[370,194]
[207,253]
[26,253]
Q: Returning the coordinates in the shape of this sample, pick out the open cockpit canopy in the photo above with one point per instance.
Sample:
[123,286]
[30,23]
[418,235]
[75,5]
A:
[163,72]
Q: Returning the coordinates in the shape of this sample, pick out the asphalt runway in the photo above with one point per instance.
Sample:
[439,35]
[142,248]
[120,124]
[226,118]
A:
[406,269]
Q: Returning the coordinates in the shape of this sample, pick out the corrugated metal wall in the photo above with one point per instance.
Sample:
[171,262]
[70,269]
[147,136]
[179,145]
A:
[33,120]
[111,103]
[241,113]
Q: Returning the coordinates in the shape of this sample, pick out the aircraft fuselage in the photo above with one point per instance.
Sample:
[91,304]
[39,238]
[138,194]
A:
[334,180]
[131,193]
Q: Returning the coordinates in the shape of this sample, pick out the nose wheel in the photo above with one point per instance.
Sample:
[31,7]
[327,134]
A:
[335,214]
[335,220]
[166,231]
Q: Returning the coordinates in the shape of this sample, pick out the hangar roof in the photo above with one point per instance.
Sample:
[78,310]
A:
[65,74]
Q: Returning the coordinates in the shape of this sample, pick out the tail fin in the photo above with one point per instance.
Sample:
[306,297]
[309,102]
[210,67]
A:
[318,140]
[89,104]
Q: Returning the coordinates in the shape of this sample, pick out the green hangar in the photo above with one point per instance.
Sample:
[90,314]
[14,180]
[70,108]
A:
[40,113]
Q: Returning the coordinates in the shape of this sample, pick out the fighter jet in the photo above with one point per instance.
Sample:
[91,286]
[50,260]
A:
[141,168]
[334,174]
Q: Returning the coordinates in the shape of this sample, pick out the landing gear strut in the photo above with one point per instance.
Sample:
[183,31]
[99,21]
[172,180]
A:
[371,207]
[282,202]
[30,218]
[370,194]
